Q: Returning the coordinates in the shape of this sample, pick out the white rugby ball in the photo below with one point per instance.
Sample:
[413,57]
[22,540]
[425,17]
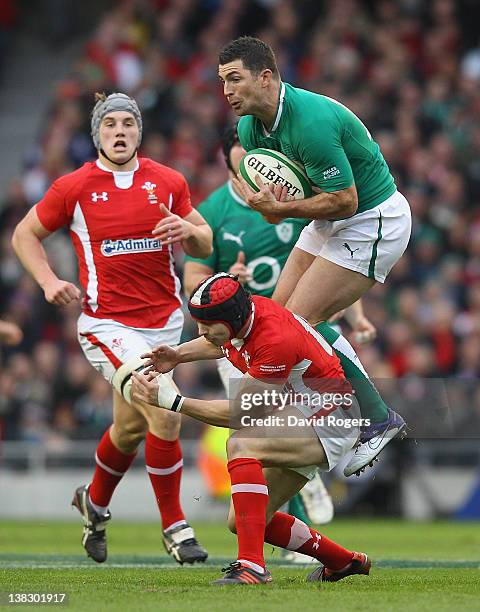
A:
[275,167]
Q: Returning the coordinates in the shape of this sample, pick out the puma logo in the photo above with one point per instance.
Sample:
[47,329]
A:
[237,239]
[347,246]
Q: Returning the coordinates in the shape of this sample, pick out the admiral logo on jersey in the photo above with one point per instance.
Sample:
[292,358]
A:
[130,245]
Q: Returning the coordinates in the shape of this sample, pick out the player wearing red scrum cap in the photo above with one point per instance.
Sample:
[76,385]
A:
[269,460]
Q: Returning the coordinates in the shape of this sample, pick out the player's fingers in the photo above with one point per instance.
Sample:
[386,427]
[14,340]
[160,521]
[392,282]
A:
[237,184]
[284,195]
[170,240]
[72,292]
[164,210]
[169,236]
[246,188]
[363,337]
[164,228]
[140,379]
[172,237]
[260,184]
[152,375]
[171,225]
[277,191]
[238,268]
[161,350]
[243,191]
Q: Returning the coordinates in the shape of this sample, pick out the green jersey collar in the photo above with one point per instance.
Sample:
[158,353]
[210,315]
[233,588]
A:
[235,195]
[278,116]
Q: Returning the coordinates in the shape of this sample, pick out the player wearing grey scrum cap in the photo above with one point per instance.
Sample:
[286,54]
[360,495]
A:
[125,214]
[116,129]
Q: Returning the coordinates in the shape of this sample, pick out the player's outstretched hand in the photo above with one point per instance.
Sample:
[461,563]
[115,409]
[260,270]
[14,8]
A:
[10,333]
[162,359]
[240,269]
[171,228]
[154,389]
[364,330]
[60,292]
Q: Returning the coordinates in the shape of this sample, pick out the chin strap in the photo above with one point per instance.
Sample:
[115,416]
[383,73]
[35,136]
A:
[116,163]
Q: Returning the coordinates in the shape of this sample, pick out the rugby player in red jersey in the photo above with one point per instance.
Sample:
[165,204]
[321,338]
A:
[269,461]
[124,214]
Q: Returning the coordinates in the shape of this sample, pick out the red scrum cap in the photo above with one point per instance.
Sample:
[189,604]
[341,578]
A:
[221,299]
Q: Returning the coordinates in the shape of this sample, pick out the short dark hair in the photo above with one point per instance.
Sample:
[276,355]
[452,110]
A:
[229,140]
[254,53]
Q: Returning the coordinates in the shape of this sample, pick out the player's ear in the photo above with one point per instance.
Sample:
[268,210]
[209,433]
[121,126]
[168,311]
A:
[266,77]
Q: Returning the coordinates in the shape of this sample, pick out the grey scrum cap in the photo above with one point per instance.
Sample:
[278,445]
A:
[114,102]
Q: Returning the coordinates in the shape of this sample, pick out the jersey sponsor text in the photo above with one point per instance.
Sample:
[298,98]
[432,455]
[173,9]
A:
[110,248]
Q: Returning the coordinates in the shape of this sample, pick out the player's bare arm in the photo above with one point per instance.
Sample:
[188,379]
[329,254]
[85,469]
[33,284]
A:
[164,358]
[333,205]
[27,243]
[159,391]
[192,231]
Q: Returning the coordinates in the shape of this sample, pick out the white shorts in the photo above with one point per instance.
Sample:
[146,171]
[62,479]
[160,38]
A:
[370,243]
[107,344]
[336,439]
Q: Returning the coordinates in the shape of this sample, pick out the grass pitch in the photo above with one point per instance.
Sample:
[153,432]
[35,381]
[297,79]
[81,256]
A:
[417,567]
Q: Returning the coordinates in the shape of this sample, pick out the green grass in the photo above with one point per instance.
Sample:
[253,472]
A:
[418,567]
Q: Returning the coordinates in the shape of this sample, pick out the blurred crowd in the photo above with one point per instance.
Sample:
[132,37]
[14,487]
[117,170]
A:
[409,68]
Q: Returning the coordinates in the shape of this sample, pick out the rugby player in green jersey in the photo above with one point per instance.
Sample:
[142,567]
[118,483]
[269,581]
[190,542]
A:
[246,245]
[360,224]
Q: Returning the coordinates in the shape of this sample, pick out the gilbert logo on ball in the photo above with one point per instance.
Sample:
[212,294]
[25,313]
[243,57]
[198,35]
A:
[275,167]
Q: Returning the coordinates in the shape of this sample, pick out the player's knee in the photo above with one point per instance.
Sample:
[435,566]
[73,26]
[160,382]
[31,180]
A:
[319,315]
[237,447]
[130,434]
[164,423]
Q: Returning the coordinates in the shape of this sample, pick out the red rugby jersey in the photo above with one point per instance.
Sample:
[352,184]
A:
[281,347]
[126,274]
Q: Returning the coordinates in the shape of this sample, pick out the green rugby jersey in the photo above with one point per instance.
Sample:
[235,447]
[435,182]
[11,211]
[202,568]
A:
[328,140]
[237,227]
